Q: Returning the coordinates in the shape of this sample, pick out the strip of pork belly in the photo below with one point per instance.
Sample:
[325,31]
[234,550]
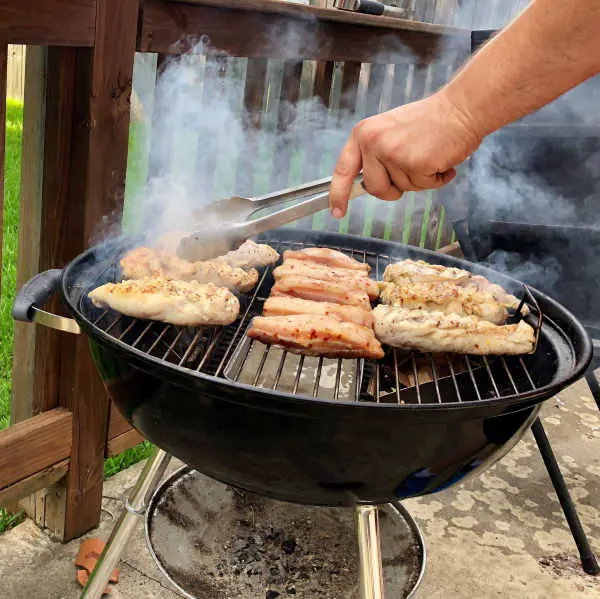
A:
[317,336]
[326,256]
[290,306]
[320,291]
[312,270]
[437,296]
[439,332]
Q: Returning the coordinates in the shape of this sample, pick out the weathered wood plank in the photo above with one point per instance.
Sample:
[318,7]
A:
[334,34]
[123,442]
[34,444]
[3,74]
[30,211]
[48,22]
[31,484]
[117,425]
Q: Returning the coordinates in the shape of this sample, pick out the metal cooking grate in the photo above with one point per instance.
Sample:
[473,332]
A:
[401,377]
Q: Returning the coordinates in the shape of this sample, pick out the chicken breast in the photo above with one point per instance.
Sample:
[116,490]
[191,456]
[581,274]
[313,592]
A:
[313,270]
[317,336]
[448,298]
[440,332]
[251,255]
[326,256]
[406,271]
[146,262]
[320,291]
[290,306]
[184,303]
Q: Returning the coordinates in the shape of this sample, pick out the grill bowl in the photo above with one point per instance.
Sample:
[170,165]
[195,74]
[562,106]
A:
[314,450]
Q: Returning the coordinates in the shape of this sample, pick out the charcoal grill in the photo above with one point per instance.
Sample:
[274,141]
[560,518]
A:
[369,441]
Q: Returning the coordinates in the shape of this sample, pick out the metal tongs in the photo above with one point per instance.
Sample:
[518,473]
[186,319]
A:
[227,223]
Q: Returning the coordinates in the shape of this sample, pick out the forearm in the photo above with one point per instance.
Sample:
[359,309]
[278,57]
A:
[551,47]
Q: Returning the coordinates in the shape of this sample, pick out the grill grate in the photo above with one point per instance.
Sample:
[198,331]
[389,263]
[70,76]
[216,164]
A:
[402,378]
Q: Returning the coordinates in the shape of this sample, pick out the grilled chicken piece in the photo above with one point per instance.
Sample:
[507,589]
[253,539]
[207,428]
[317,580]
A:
[317,336]
[183,303]
[289,306]
[320,291]
[357,279]
[407,271]
[250,255]
[438,296]
[145,262]
[439,332]
[326,256]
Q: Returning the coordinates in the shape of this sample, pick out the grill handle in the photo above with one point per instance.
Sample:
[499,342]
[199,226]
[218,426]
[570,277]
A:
[36,292]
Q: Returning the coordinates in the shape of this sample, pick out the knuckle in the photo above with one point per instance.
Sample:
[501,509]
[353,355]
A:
[343,169]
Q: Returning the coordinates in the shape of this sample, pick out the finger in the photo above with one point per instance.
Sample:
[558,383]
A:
[434,181]
[376,179]
[402,180]
[347,168]
[447,176]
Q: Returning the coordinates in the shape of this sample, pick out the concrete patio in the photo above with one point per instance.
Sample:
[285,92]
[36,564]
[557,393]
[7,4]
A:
[499,535]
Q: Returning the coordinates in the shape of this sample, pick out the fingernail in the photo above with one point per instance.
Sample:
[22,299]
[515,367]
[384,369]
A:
[337,213]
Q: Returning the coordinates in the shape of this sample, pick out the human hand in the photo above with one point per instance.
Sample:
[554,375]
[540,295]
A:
[409,148]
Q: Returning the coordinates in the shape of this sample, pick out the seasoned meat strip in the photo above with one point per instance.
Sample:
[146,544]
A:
[184,303]
[317,336]
[251,255]
[358,279]
[320,291]
[437,296]
[439,332]
[326,256]
[289,306]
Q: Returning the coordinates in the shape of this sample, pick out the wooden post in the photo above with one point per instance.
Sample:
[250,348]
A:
[3,62]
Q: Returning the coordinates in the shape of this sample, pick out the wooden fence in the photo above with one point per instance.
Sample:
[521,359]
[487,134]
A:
[78,73]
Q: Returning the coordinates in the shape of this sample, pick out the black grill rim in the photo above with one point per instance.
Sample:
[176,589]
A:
[570,328]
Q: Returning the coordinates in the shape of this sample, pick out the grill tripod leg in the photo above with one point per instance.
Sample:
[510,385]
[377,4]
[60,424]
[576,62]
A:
[588,559]
[592,381]
[369,549]
[135,506]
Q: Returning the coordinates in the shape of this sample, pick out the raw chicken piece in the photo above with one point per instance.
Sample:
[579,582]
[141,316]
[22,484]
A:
[320,291]
[289,306]
[145,262]
[408,271]
[317,336]
[251,254]
[326,256]
[184,303]
[439,296]
[439,332]
[356,278]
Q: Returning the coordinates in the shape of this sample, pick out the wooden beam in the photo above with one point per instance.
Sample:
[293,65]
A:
[40,480]
[295,32]
[3,64]
[30,211]
[48,22]
[125,441]
[30,446]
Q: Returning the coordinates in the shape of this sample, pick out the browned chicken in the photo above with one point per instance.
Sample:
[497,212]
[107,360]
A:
[317,335]
[320,291]
[358,279]
[251,255]
[440,332]
[326,256]
[289,306]
[146,262]
[184,303]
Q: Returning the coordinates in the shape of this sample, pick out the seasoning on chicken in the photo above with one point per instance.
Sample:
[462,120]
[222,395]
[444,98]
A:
[184,303]
[440,332]
[317,336]
[356,278]
[289,306]
[251,255]
[411,271]
[145,262]
[326,256]
[448,298]
[320,291]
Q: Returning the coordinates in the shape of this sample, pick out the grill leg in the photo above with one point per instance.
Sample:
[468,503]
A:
[588,559]
[135,506]
[592,381]
[369,549]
